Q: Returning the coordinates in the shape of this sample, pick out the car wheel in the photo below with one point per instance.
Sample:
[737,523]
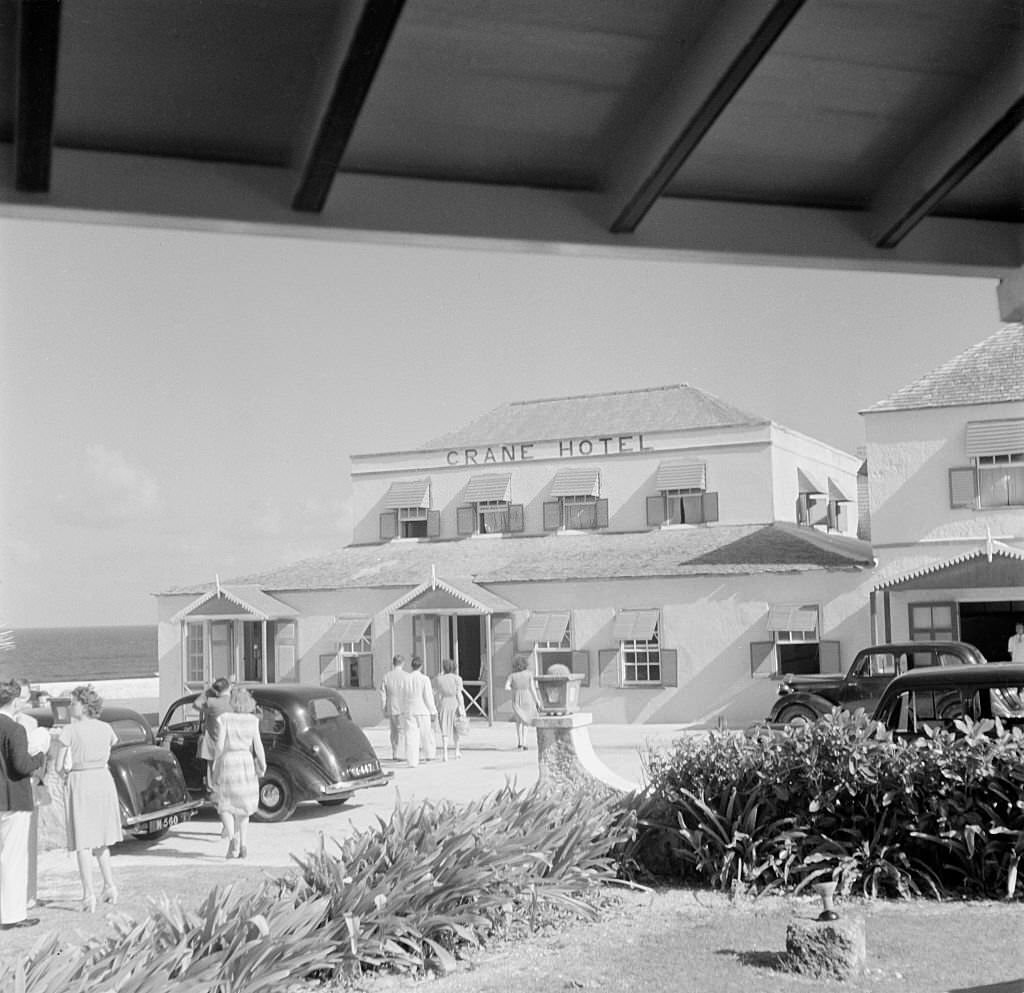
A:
[277,802]
[789,714]
[335,802]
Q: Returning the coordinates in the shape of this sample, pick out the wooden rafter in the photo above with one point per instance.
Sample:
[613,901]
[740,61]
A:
[736,42]
[38,43]
[369,42]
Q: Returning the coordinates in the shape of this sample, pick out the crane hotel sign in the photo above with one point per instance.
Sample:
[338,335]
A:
[562,448]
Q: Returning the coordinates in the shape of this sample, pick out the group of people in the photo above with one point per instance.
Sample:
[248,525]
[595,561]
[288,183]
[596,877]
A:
[235,760]
[77,754]
[413,705]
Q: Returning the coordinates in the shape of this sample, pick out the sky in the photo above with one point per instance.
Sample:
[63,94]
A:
[179,405]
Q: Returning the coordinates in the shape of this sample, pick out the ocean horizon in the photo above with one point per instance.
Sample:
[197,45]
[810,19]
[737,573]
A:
[57,654]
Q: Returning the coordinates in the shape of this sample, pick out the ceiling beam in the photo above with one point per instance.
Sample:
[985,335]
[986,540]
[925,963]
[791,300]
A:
[38,43]
[741,34]
[961,141]
[362,60]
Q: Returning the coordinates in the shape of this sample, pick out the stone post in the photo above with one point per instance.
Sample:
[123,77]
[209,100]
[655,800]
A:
[567,760]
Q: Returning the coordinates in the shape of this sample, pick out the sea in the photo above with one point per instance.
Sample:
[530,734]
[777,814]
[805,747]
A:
[48,655]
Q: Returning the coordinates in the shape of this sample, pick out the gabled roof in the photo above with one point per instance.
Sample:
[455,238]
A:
[990,550]
[747,549]
[662,408]
[237,598]
[990,372]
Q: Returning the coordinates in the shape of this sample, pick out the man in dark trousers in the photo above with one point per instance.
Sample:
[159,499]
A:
[16,805]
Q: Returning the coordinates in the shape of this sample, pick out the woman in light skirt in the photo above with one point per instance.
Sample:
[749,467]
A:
[238,764]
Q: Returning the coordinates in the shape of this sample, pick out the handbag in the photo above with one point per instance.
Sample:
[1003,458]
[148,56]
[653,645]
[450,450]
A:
[41,794]
[461,725]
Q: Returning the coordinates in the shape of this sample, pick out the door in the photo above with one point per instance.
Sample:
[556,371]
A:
[222,649]
[990,625]
[868,677]
[426,630]
[471,662]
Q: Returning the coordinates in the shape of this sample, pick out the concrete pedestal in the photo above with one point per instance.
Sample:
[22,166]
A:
[832,949]
[567,759]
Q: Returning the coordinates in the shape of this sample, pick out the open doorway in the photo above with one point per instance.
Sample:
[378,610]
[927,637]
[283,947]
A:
[468,641]
[989,625]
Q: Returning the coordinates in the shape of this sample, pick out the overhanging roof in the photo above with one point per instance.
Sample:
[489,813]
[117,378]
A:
[991,551]
[885,135]
[233,601]
[454,596]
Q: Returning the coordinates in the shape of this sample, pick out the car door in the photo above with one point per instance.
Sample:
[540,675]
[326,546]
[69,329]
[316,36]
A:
[869,675]
[180,731]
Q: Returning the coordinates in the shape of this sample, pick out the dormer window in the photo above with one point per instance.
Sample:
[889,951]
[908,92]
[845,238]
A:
[683,497]
[577,505]
[408,513]
[489,508]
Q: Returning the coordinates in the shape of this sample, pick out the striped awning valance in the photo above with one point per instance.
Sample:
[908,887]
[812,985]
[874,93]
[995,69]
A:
[576,482]
[546,627]
[792,618]
[494,486]
[408,493]
[635,625]
[680,475]
[995,437]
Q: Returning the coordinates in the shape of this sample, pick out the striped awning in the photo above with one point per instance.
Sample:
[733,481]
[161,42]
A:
[494,486]
[807,485]
[680,475]
[409,493]
[835,493]
[635,625]
[576,482]
[792,618]
[349,629]
[995,437]
[548,626]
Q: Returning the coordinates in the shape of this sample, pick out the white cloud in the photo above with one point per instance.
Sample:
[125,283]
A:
[111,492]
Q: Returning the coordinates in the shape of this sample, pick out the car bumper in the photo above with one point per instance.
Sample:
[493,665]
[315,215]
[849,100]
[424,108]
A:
[156,820]
[346,787]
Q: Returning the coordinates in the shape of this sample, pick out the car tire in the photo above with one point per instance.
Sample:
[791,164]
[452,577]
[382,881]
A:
[789,714]
[336,802]
[277,801]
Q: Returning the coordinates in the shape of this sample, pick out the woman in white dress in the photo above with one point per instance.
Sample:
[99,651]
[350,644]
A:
[238,764]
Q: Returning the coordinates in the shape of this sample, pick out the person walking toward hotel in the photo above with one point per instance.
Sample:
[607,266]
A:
[93,813]
[16,806]
[450,705]
[38,743]
[392,706]
[1015,646]
[416,696]
[212,704]
[237,767]
[525,700]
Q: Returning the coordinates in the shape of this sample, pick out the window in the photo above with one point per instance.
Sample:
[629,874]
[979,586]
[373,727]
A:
[1001,480]
[186,718]
[272,720]
[641,659]
[196,655]
[683,497]
[996,476]
[795,647]
[407,513]
[490,517]
[351,667]
[576,513]
[931,622]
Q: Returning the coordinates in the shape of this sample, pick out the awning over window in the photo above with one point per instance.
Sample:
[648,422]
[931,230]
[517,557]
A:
[349,629]
[495,486]
[545,627]
[410,493]
[679,475]
[807,485]
[576,482]
[995,437]
[790,618]
[635,625]
[835,493]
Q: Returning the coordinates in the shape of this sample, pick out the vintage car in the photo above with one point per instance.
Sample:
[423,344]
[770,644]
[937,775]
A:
[150,785]
[937,697]
[315,751]
[873,669]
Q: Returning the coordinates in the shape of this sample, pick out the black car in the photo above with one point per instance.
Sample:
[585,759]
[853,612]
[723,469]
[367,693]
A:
[150,784]
[811,697]
[315,751]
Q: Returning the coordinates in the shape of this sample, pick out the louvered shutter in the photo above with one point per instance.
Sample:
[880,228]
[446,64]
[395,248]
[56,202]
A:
[828,656]
[655,511]
[601,514]
[465,520]
[693,512]
[433,524]
[962,487]
[284,646]
[516,517]
[709,506]
[552,515]
[669,667]
[608,666]
[581,666]
[819,512]
[762,658]
[388,525]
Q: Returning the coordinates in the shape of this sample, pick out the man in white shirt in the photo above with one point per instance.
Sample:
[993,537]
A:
[1015,646]
[419,711]
[392,707]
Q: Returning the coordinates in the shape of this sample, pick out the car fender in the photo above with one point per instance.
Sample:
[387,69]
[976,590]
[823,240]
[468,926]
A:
[819,704]
[306,781]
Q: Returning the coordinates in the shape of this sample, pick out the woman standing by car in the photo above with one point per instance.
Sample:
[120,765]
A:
[212,703]
[93,813]
[237,767]
[450,707]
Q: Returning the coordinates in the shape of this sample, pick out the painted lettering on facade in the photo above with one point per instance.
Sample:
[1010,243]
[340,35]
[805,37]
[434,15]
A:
[564,448]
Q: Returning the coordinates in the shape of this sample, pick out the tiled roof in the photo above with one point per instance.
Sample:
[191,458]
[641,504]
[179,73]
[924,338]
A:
[663,408]
[719,550]
[990,372]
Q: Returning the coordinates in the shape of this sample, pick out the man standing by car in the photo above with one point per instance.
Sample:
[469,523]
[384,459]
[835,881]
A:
[392,705]
[1015,646]
[418,713]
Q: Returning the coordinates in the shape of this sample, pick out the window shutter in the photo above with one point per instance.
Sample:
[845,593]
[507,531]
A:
[433,524]
[692,508]
[608,667]
[669,667]
[581,665]
[833,516]
[828,656]
[388,525]
[552,515]
[465,520]
[762,659]
[963,487]
[516,517]
[601,514]
[284,644]
[655,511]
[819,512]
[709,506]
[843,517]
